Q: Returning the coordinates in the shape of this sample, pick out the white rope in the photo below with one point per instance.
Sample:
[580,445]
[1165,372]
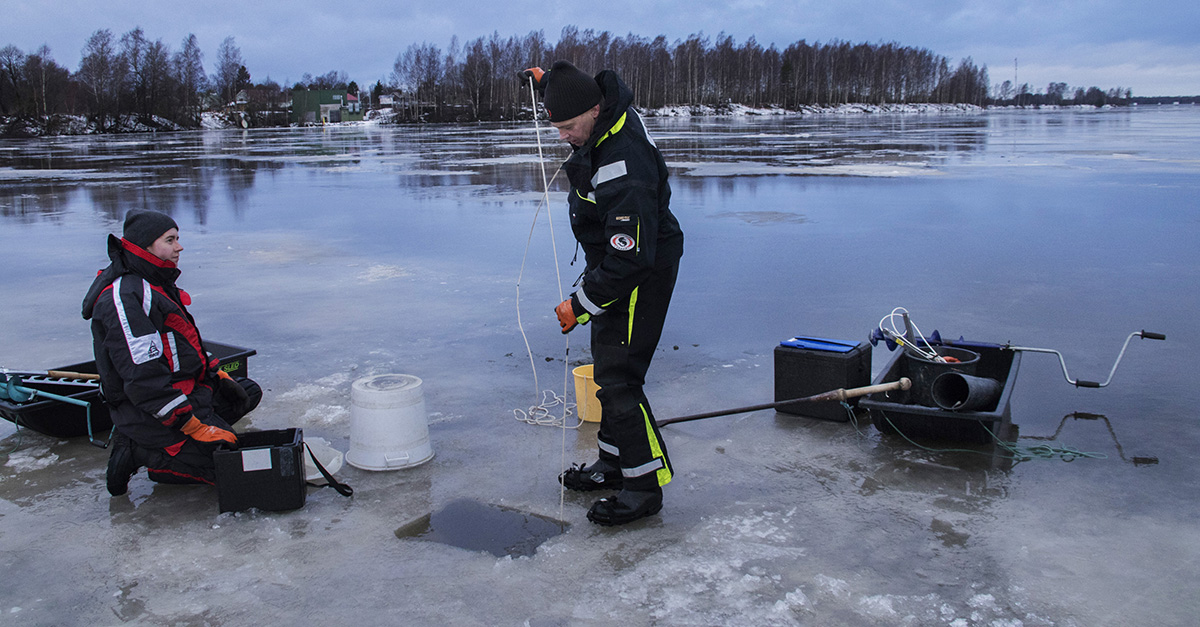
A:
[540,413]
[910,344]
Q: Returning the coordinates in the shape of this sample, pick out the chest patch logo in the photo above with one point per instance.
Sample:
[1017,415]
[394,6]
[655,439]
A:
[621,242]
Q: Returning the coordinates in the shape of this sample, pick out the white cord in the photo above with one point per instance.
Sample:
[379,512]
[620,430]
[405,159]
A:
[540,414]
[911,343]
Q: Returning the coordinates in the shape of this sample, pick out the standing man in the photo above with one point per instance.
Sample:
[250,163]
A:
[620,214]
[171,405]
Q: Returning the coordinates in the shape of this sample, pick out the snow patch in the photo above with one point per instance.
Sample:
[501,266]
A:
[325,415]
[30,459]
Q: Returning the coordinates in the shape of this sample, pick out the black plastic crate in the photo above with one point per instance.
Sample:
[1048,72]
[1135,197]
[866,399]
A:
[64,420]
[266,471]
[811,366]
[902,411]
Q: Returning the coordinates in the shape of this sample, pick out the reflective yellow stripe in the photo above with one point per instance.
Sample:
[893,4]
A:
[591,200]
[616,128]
[632,306]
[664,473]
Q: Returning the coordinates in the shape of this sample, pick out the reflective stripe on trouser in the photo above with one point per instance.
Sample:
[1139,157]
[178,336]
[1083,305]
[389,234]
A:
[624,339]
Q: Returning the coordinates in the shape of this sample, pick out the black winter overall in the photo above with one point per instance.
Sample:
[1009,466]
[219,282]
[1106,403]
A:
[632,243]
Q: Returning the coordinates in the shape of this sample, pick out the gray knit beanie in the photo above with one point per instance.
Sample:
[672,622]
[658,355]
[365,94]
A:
[144,227]
[569,92]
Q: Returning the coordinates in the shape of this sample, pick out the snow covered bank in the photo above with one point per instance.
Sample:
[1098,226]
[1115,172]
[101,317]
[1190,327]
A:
[81,125]
[843,109]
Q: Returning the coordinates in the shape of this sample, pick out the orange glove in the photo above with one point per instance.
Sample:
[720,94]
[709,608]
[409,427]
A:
[201,432]
[566,316]
[534,73]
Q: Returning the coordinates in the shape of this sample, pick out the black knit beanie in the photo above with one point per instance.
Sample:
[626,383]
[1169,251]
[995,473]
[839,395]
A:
[144,227]
[569,92]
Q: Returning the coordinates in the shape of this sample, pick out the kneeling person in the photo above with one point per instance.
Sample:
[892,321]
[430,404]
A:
[170,403]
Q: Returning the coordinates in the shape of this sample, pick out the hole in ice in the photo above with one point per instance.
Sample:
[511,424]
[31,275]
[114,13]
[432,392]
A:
[478,527]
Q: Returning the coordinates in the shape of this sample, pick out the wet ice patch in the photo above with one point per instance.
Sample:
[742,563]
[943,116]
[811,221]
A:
[749,168]
[382,272]
[13,174]
[760,218]
[337,378]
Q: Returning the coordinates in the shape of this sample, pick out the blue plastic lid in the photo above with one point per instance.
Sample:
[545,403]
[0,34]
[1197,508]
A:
[820,344]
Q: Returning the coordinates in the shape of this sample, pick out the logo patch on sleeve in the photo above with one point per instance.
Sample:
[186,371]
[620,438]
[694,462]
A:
[621,242]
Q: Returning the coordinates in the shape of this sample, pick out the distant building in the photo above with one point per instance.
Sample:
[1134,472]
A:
[262,99]
[324,106]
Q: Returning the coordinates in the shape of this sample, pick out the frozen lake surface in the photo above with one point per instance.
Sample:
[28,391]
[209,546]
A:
[342,252]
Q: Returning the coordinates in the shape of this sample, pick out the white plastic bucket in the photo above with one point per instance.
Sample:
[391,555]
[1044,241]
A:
[388,425]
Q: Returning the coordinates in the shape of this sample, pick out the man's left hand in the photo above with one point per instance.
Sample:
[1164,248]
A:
[232,390]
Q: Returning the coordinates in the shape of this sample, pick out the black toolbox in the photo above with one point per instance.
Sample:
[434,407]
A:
[265,471]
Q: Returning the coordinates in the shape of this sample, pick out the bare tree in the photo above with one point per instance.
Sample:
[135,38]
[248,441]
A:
[102,72]
[133,54]
[229,61]
[188,65]
[12,63]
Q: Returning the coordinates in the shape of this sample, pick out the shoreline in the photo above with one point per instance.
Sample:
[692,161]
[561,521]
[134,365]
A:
[74,125]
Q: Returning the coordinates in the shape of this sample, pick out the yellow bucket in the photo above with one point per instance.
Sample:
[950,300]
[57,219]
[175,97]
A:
[586,402]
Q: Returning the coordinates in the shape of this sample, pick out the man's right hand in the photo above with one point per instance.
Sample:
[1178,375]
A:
[201,432]
[534,73]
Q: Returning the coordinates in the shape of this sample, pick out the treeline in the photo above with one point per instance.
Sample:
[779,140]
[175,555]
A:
[1058,94]
[132,77]
[118,78]
[477,78]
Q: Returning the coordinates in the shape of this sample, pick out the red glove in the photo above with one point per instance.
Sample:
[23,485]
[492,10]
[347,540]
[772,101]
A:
[566,316]
[201,432]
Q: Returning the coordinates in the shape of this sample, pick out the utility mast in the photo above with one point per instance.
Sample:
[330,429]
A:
[1016,83]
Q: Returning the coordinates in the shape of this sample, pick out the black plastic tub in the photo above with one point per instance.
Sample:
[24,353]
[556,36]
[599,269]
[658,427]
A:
[902,412]
[64,420]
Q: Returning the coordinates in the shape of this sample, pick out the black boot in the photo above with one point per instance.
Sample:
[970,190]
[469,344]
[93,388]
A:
[599,476]
[121,465]
[626,506]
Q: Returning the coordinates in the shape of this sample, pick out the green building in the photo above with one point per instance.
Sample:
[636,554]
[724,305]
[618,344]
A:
[324,106]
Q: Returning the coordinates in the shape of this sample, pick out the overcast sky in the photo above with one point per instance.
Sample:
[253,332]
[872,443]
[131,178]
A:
[1151,47]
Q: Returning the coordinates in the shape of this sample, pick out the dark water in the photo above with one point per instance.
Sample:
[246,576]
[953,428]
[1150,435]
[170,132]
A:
[341,252]
[475,526]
